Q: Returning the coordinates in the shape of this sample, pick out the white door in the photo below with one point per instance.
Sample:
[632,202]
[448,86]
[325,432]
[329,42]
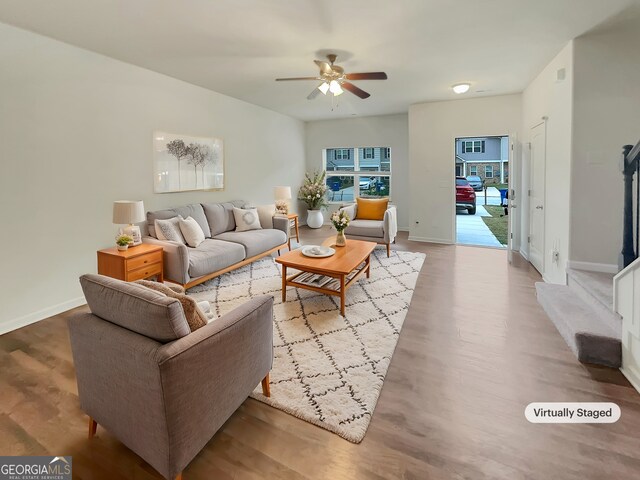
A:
[536,196]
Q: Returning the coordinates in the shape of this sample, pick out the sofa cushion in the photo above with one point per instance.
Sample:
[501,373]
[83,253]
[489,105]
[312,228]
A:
[213,255]
[169,230]
[194,211]
[220,216]
[365,228]
[135,308]
[266,213]
[255,242]
[196,317]
[371,208]
[191,231]
[246,219]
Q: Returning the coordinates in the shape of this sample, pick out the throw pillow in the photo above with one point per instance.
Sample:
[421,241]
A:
[371,208]
[169,230]
[246,219]
[196,318]
[265,215]
[191,231]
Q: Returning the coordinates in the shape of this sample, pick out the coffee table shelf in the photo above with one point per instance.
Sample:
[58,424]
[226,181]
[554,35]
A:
[346,266]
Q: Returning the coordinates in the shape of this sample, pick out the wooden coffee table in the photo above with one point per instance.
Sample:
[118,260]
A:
[344,268]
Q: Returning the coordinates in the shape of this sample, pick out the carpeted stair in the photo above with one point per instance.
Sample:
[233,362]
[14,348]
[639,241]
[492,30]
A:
[583,313]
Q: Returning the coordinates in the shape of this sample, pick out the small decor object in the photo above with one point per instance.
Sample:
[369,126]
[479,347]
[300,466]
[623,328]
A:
[317,251]
[340,221]
[123,241]
[183,163]
[129,212]
[312,192]
[282,195]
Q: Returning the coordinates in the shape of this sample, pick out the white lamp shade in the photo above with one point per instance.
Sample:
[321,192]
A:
[282,193]
[128,212]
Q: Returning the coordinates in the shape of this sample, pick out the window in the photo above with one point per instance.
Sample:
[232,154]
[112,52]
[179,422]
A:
[458,170]
[488,171]
[368,168]
[473,146]
[473,170]
[342,154]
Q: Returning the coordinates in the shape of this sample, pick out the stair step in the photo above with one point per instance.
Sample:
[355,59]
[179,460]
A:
[596,289]
[590,338]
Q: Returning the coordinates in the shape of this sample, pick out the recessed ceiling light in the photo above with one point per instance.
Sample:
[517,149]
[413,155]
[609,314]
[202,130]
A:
[461,87]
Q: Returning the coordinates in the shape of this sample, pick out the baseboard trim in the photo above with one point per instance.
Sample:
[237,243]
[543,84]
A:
[413,238]
[630,375]
[34,317]
[593,267]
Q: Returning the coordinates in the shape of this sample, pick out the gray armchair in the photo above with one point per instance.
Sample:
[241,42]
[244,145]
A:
[380,231]
[160,389]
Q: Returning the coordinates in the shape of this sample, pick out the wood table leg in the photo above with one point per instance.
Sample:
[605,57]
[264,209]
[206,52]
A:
[388,250]
[266,387]
[295,221]
[284,283]
[368,267]
[93,426]
[342,295]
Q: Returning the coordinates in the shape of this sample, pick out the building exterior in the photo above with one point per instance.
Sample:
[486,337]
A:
[486,157]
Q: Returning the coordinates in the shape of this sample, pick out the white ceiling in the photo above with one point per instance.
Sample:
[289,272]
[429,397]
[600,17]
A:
[238,47]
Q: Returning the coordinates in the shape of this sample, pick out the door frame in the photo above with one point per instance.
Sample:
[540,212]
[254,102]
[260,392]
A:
[511,139]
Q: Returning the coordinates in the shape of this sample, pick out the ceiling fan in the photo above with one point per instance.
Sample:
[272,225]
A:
[334,79]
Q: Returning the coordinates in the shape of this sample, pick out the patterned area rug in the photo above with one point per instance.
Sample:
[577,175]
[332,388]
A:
[327,369]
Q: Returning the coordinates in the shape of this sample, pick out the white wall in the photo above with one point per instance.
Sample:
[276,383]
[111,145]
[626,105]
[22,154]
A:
[379,131]
[606,117]
[76,134]
[548,97]
[433,128]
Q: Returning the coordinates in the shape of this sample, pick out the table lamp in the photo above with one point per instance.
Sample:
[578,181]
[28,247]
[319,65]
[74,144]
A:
[129,212]
[282,196]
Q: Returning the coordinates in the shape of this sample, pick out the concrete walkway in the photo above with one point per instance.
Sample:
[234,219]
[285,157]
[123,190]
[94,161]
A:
[471,229]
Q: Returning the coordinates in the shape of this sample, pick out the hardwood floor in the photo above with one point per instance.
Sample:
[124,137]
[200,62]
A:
[475,349]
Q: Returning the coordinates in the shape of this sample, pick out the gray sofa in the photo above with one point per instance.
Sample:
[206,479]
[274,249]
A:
[160,389]
[380,231]
[223,250]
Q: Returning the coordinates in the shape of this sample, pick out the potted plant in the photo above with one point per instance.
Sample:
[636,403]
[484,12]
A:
[340,221]
[312,192]
[123,241]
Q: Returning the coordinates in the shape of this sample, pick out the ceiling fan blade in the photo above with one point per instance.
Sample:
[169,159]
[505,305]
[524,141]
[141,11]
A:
[367,76]
[296,78]
[314,93]
[355,90]
[325,68]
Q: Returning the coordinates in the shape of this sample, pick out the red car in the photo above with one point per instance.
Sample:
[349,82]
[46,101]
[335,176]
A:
[465,195]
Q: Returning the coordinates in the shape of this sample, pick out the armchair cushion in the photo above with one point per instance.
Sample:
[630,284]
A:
[135,308]
[371,208]
[365,228]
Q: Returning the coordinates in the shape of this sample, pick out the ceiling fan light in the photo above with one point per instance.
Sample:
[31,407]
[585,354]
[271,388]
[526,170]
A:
[324,88]
[335,88]
[461,88]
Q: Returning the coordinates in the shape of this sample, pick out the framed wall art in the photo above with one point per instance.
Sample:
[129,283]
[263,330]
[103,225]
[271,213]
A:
[183,163]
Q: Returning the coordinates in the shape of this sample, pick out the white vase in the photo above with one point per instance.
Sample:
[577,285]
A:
[314,218]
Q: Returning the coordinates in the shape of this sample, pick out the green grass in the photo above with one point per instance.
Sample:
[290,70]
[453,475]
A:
[498,222]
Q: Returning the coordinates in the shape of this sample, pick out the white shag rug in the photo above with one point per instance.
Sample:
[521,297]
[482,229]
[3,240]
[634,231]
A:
[327,369]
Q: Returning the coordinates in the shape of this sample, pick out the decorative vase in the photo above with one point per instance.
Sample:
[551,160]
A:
[341,240]
[122,248]
[314,218]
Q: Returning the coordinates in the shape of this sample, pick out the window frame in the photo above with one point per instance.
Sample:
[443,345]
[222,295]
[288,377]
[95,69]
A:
[480,144]
[356,173]
[473,170]
[488,168]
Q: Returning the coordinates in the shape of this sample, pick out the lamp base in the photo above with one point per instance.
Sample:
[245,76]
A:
[134,232]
